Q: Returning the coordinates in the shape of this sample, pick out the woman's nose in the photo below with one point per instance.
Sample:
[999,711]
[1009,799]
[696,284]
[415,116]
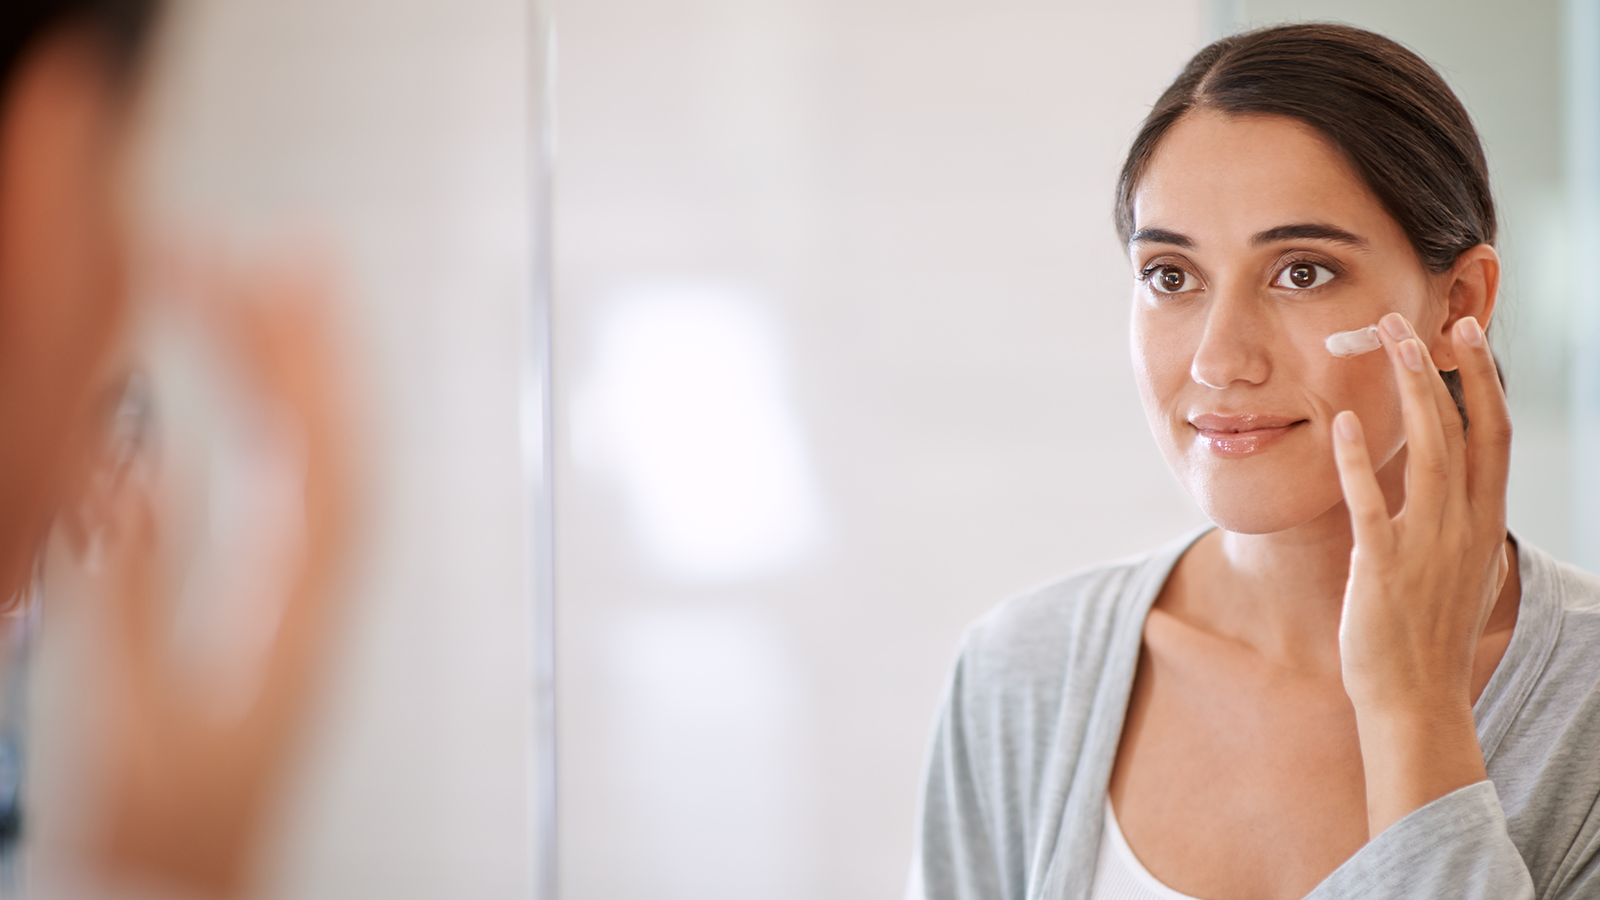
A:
[1232,345]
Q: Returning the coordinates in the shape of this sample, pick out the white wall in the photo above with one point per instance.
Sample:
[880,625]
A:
[842,362]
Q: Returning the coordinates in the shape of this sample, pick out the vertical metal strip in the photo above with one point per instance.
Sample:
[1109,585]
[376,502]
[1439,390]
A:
[537,447]
[1582,65]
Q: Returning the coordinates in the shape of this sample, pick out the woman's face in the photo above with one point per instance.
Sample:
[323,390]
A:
[62,301]
[1253,242]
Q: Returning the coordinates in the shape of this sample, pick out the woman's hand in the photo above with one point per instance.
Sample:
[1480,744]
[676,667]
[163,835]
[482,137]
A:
[185,787]
[1423,582]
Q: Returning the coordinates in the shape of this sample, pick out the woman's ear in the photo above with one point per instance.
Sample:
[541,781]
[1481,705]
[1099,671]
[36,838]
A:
[1471,288]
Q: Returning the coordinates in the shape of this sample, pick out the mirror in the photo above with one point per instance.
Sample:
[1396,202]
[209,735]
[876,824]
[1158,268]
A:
[842,362]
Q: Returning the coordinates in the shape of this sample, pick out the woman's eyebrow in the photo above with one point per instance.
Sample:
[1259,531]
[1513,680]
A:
[1161,236]
[1314,231]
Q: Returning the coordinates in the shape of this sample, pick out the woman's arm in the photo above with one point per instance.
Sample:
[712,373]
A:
[1454,847]
[185,791]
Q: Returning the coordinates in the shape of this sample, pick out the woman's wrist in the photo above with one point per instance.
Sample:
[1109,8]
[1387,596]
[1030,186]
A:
[1424,690]
[1414,755]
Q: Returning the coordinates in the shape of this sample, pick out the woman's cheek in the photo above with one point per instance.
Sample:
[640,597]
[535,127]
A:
[1387,432]
[1162,352]
[1366,386]
[1162,347]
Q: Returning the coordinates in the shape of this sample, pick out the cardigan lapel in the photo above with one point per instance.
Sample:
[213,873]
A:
[1086,748]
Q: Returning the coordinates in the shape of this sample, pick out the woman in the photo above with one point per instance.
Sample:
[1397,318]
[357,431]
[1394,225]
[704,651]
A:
[1358,684]
[182,793]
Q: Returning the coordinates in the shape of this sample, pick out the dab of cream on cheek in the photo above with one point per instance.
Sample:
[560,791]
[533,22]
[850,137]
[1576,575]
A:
[1353,343]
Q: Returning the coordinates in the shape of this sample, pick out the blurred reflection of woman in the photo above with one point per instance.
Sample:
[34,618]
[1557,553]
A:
[1357,684]
[182,793]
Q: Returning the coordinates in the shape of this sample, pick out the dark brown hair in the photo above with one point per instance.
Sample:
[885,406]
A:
[124,26]
[1389,113]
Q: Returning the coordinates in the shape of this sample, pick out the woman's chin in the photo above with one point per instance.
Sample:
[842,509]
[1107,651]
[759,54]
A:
[1262,509]
[1252,522]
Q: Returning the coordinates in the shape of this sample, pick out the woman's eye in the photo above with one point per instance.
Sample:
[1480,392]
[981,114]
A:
[1302,276]
[1169,280]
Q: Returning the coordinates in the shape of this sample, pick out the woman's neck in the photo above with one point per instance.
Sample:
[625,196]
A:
[1280,593]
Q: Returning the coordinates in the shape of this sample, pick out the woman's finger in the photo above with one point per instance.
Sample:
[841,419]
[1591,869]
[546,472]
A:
[1450,420]
[1454,428]
[1427,454]
[1369,510]
[1488,440]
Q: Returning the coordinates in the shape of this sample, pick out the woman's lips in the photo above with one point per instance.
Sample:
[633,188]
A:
[1241,435]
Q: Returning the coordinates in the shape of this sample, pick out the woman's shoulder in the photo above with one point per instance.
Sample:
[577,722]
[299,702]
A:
[1541,721]
[1560,602]
[1552,666]
[1557,648]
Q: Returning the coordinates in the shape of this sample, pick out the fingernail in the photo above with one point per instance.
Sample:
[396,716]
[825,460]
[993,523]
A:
[1344,424]
[1470,332]
[1411,355]
[1395,324]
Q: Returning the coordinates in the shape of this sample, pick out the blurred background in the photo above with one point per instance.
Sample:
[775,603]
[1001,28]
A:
[396,142]
[841,362]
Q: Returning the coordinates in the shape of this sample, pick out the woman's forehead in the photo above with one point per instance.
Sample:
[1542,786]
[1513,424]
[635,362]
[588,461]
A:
[1219,178]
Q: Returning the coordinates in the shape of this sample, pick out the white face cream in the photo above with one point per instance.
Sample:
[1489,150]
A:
[1353,343]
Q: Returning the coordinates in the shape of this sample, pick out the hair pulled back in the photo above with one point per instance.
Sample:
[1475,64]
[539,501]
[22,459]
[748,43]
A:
[1396,122]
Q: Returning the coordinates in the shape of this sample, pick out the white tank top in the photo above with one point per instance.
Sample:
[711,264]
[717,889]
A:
[1118,874]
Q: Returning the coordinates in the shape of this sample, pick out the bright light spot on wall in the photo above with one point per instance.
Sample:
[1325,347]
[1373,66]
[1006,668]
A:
[688,409]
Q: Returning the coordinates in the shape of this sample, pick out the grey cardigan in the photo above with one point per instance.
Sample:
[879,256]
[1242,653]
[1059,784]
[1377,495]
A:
[1022,752]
